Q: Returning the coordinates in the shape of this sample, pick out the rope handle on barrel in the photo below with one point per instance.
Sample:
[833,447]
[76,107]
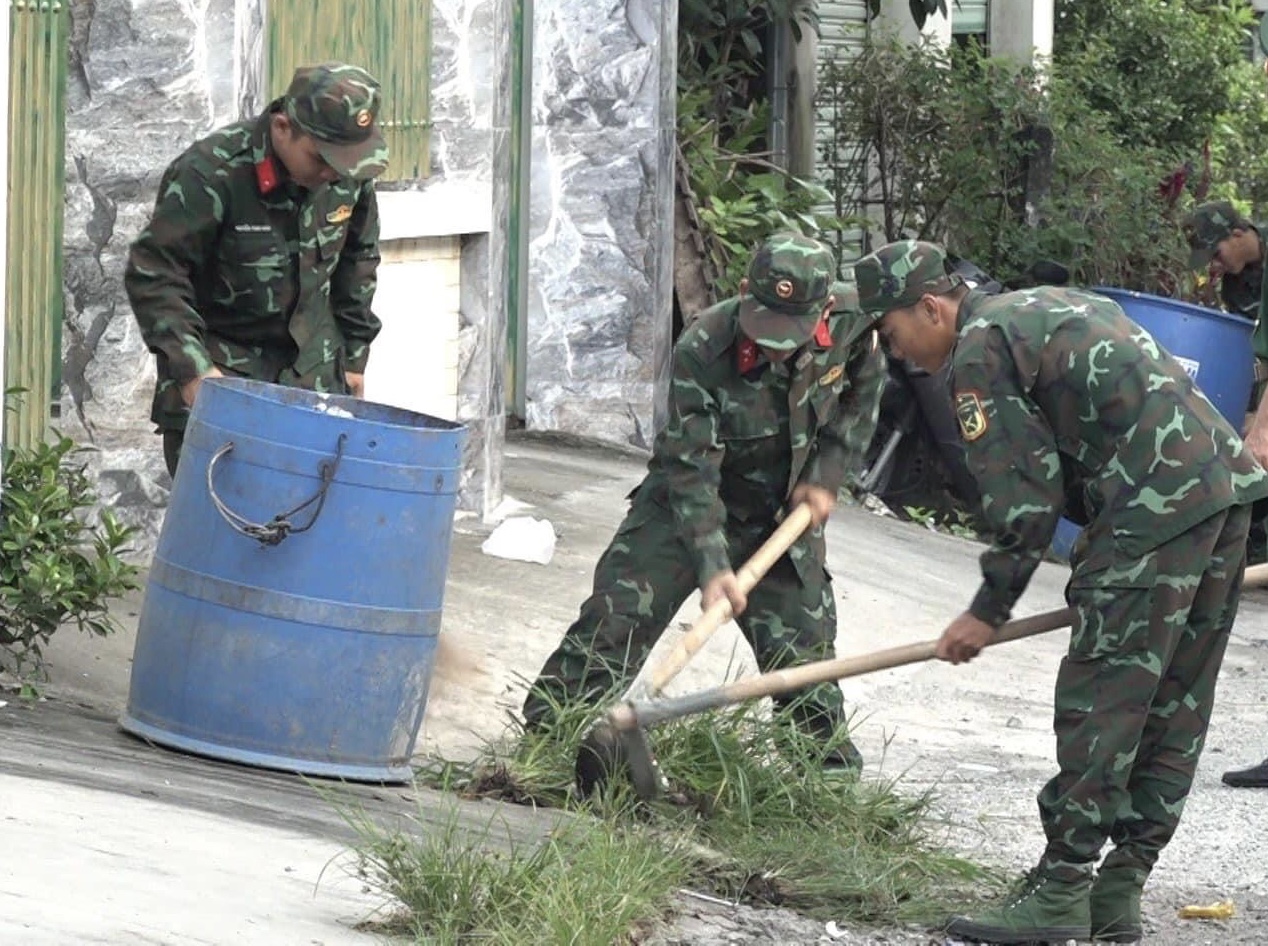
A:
[280,526]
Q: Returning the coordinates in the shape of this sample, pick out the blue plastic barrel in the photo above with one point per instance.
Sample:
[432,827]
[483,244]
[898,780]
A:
[1212,346]
[292,609]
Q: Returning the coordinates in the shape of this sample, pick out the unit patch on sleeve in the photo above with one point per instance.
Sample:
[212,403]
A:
[968,409]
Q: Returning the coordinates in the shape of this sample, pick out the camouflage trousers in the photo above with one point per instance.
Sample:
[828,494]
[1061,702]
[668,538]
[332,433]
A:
[1257,541]
[1134,694]
[641,581]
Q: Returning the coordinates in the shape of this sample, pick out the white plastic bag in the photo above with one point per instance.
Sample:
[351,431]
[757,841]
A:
[523,539]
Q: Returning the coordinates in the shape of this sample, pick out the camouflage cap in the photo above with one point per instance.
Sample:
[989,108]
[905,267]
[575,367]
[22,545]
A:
[898,274]
[788,280]
[1206,225]
[338,105]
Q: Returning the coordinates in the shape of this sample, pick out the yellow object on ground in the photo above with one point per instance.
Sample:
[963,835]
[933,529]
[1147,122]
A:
[1223,910]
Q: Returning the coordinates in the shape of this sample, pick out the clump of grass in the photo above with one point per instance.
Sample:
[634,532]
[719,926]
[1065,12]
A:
[752,815]
[524,767]
[587,884]
[809,837]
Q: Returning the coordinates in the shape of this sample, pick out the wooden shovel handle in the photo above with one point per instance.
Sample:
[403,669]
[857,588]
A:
[777,682]
[1256,576]
[718,613]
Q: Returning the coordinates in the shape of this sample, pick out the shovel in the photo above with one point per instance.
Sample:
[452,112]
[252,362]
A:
[623,729]
[593,761]
[623,739]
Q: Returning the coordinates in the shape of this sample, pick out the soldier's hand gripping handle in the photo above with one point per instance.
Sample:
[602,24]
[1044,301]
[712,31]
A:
[821,501]
[724,585]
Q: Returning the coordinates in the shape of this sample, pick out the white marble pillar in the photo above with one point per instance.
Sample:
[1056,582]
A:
[601,227]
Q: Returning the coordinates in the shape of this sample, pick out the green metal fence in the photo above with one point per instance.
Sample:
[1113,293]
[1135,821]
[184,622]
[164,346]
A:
[38,40]
[390,38]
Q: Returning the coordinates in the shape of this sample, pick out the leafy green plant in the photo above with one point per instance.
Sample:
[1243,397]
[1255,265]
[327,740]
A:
[1239,143]
[740,193]
[1090,159]
[1161,71]
[921,10]
[958,522]
[58,564]
[1000,163]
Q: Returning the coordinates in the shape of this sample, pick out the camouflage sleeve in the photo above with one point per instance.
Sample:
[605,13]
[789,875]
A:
[352,284]
[843,442]
[1012,453]
[159,275]
[691,455]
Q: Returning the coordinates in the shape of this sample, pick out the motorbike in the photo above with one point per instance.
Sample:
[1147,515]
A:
[915,463]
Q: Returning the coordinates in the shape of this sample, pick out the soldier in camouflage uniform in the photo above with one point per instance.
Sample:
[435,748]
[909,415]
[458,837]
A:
[1234,251]
[1230,248]
[261,256]
[773,401]
[1064,402]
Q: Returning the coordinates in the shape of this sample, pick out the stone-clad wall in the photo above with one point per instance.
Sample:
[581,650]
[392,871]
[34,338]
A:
[146,78]
[601,230]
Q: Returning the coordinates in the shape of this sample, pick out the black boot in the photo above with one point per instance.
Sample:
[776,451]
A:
[1254,777]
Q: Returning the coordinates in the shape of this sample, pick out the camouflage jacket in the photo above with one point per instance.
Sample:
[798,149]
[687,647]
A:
[1060,395]
[742,432]
[242,269]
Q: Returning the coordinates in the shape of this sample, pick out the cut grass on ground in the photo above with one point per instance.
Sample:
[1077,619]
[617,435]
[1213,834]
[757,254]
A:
[588,883]
[751,815]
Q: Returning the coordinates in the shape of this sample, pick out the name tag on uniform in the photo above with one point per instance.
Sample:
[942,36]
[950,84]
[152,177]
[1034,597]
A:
[253,228]
[339,214]
[833,374]
[802,360]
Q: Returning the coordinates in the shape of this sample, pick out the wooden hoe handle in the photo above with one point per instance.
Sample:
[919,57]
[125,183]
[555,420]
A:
[718,613]
[628,715]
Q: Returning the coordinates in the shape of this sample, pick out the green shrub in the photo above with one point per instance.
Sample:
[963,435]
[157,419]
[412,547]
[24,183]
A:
[1160,71]
[942,140]
[1148,105]
[740,194]
[59,564]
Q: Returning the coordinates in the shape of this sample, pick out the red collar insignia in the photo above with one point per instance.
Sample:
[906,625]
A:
[266,175]
[823,334]
[746,355]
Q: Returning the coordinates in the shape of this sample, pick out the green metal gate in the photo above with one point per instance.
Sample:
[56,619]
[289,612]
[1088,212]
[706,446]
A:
[389,38]
[38,38]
